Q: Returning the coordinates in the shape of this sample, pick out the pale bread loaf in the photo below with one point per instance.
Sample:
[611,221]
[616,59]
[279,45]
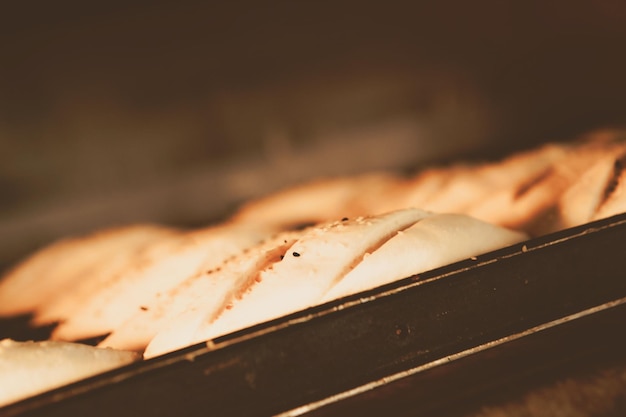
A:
[29,368]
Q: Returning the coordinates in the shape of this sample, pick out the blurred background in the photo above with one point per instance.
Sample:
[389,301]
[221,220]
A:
[175,112]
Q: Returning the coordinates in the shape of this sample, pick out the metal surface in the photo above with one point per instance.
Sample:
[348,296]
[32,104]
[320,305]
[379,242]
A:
[575,368]
[326,357]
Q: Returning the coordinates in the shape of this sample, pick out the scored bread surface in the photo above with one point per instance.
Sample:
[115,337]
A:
[162,267]
[203,294]
[313,263]
[56,269]
[160,289]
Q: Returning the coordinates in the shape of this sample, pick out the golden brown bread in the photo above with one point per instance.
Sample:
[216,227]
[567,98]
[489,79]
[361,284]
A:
[322,200]
[57,268]
[528,191]
[155,271]
[209,291]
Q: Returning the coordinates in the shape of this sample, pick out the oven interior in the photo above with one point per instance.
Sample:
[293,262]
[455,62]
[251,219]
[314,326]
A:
[176,113]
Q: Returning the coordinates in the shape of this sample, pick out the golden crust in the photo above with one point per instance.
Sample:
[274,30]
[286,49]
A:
[58,267]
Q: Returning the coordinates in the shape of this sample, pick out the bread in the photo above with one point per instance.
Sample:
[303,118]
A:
[430,243]
[322,200]
[156,289]
[155,271]
[29,368]
[203,294]
[317,259]
[525,191]
[57,268]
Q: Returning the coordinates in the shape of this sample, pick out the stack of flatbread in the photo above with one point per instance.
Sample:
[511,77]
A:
[153,289]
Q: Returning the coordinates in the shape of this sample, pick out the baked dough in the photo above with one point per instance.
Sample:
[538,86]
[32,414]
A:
[29,368]
[206,294]
[155,271]
[317,259]
[57,268]
[430,243]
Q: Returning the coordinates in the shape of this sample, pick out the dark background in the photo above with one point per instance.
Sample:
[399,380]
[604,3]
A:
[175,112]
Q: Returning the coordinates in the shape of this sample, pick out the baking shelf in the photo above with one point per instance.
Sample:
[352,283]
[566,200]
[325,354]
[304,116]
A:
[330,355]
